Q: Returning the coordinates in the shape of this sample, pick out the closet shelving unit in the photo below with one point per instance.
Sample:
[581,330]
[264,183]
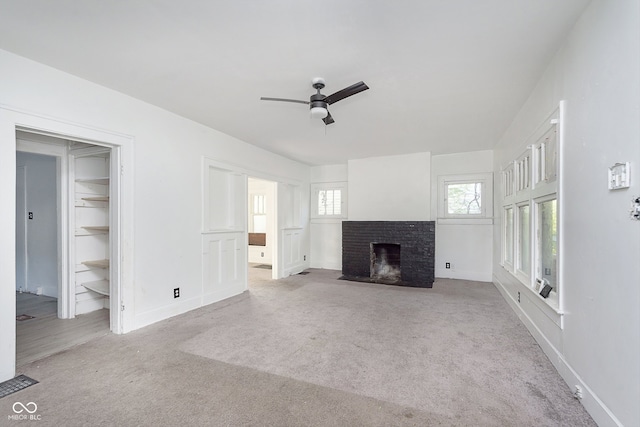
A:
[92,233]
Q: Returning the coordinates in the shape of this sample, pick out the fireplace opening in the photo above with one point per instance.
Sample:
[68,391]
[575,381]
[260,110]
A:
[385,263]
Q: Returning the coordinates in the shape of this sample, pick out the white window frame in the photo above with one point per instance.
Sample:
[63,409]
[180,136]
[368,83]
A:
[553,297]
[486,201]
[523,275]
[508,181]
[506,233]
[328,186]
[524,184]
[258,208]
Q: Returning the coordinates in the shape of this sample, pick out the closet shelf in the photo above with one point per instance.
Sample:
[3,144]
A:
[100,263]
[96,227]
[96,199]
[98,286]
[98,180]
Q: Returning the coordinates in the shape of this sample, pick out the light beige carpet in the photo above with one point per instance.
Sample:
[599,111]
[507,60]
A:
[313,350]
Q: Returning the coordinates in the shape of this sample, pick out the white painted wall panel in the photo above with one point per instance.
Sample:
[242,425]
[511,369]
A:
[223,265]
[326,244]
[391,188]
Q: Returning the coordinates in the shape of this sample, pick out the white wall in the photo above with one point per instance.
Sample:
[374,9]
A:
[597,343]
[469,247]
[163,163]
[42,235]
[391,188]
[263,254]
[326,234]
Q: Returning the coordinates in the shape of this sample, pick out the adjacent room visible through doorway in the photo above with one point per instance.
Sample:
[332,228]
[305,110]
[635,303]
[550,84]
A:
[261,228]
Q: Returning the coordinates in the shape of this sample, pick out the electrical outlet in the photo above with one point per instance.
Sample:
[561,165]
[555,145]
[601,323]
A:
[30,215]
[447,265]
[518,296]
[304,258]
[176,292]
[262,254]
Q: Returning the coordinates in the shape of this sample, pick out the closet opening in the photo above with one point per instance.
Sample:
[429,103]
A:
[65,208]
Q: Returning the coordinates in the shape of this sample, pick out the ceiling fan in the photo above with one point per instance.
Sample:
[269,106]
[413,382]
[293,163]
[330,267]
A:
[318,102]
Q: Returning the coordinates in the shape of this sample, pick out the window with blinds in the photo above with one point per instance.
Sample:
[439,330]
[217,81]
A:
[329,202]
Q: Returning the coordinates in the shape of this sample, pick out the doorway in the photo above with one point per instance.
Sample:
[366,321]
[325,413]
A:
[63,244]
[261,227]
[36,224]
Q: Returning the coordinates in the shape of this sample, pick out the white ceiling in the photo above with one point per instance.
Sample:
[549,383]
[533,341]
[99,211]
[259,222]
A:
[445,75]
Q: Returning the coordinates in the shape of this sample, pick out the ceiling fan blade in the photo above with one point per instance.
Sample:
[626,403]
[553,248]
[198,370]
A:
[346,92]
[284,100]
[328,120]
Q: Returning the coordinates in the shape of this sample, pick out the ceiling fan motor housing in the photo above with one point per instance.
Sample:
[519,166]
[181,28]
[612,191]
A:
[317,101]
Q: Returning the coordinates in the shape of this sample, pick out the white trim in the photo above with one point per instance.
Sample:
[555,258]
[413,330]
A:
[521,274]
[554,297]
[561,123]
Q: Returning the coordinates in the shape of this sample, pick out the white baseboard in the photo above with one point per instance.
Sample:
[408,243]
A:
[463,275]
[328,266]
[594,406]
[219,295]
[162,313]
[292,269]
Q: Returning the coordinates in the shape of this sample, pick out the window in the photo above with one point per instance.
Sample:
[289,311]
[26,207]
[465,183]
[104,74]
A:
[258,204]
[258,214]
[523,172]
[547,244]
[507,181]
[524,241]
[465,199]
[508,236]
[329,200]
[531,215]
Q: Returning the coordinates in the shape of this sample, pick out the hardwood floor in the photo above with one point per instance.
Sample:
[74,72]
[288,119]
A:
[45,334]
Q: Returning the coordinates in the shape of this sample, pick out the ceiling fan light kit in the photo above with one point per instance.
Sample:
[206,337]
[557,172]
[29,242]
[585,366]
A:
[319,112]
[318,103]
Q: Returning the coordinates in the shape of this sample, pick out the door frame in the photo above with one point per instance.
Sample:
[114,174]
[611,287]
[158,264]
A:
[23,213]
[12,120]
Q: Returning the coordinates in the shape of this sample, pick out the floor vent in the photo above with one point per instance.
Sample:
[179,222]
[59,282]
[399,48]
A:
[265,266]
[16,384]
[24,317]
